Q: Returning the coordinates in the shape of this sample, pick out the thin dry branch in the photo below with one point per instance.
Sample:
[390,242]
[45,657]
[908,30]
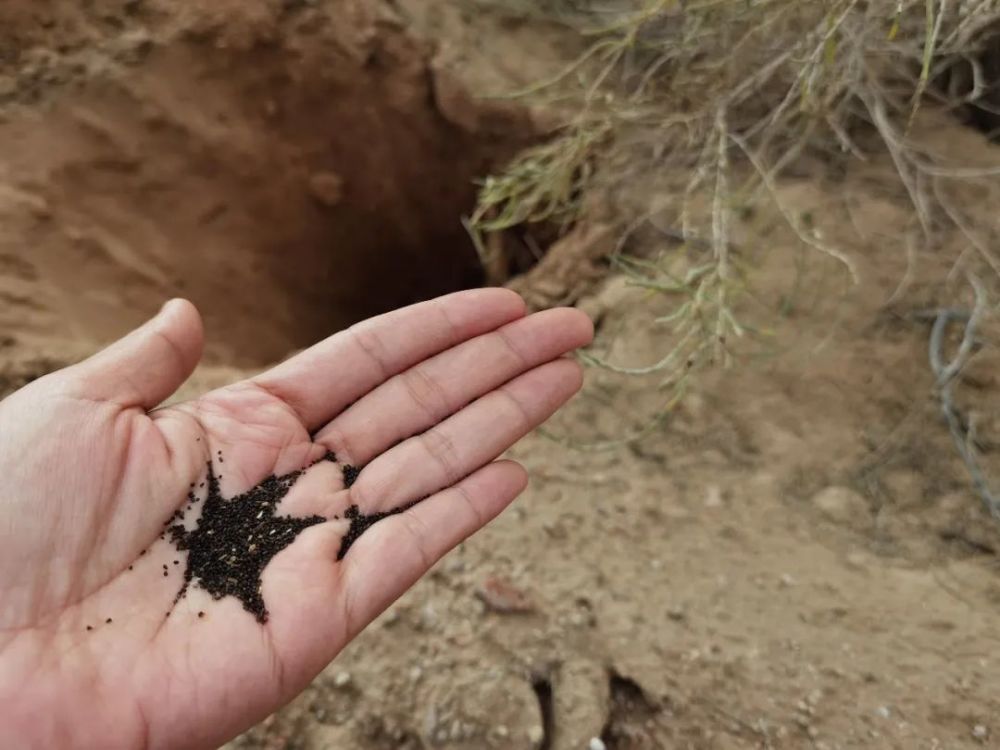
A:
[945,372]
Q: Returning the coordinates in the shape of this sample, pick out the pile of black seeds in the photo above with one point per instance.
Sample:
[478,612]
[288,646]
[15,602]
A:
[237,538]
[351,474]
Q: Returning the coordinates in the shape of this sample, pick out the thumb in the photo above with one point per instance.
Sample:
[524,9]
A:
[149,364]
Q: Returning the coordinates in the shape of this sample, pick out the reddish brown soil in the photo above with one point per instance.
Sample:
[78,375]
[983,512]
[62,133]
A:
[795,559]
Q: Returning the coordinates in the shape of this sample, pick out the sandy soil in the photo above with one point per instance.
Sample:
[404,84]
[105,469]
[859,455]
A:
[288,166]
[793,559]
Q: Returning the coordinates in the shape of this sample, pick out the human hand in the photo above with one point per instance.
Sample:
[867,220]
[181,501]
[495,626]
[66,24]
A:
[96,648]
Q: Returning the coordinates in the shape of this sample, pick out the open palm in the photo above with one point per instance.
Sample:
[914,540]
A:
[95,648]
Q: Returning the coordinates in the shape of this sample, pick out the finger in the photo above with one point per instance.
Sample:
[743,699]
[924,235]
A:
[149,364]
[385,561]
[462,443]
[410,543]
[422,396]
[318,383]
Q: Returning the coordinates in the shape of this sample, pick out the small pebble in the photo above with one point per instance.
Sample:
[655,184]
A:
[980,732]
[503,597]
[342,679]
[596,743]
[713,498]
[535,735]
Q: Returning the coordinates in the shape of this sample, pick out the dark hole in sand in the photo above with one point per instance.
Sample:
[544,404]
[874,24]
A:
[542,686]
[287,192]
[631,716]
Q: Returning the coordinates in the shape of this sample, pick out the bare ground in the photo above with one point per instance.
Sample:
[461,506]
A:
[794,558]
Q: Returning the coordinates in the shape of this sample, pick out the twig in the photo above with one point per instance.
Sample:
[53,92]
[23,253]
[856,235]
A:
[791,220]
[945,373]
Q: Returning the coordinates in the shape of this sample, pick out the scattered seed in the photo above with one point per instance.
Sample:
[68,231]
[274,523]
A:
[350,475]
[328,456]
[221,559]
[360,523]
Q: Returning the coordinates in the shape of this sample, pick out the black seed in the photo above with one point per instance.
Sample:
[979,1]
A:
[360,523]
[201,614]
[108,621]
[89,627]
[236,538]
[350,474]
[328,456]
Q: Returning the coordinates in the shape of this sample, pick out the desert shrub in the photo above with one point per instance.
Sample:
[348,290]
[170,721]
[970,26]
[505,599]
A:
[731,94]
[728,96]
